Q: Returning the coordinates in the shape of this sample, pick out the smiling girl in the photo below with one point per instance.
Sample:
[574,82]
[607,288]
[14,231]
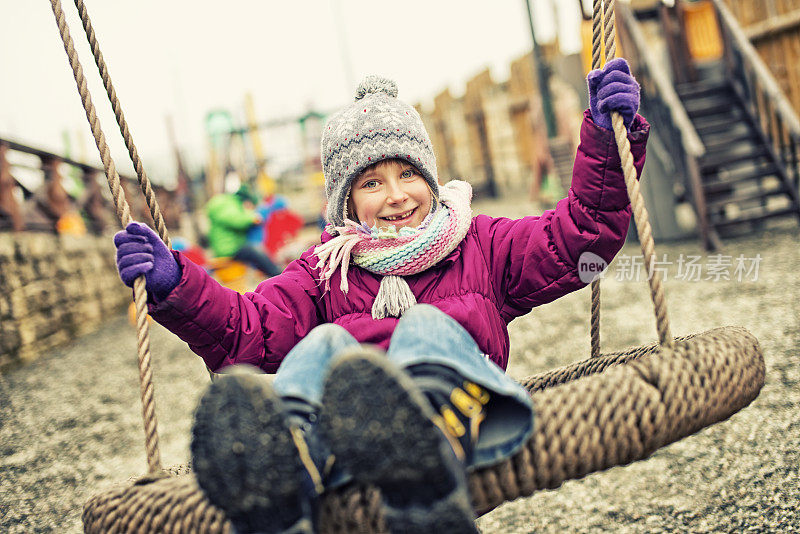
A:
[390,193]
[390,338]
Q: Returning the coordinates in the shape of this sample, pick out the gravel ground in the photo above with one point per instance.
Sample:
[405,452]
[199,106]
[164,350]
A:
[70,422]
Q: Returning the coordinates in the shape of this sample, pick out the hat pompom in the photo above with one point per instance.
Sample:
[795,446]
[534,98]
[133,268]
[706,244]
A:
[376,84]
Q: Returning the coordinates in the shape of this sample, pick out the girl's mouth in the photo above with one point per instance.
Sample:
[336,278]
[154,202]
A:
[400,217]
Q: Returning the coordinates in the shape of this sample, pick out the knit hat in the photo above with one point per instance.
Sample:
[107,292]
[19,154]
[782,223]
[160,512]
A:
[377,126]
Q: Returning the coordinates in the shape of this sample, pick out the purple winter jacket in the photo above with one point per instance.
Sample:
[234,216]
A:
[501,270]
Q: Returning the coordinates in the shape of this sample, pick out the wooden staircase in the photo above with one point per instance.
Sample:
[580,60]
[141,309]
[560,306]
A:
[743,180]
[562,151]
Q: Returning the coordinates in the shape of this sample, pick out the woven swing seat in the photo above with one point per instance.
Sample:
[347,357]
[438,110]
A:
[589,416]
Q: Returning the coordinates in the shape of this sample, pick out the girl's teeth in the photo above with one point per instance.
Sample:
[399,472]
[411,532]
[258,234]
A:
[398,217]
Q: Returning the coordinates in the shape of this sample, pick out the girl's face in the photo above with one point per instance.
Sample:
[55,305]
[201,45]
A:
[391,192]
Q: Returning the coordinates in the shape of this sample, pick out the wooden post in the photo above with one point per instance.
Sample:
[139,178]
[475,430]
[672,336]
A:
[455,128]
[526,114]
[169,206]
[55,203]
[479,142]
[682,67]
[708,234]
[9,207]
[96,207]
[445,158]
[543,71]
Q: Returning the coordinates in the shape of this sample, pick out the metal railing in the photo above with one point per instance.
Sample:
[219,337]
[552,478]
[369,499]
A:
[762,97]
[661,104]
[45,206]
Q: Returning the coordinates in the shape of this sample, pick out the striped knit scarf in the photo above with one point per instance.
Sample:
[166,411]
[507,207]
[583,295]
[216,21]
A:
[396,253]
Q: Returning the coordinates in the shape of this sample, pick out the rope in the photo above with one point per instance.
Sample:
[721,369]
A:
[595,322]
[609,30]
[141,174]
[637,201]
[144,181]
[124,216]
[597,27]
[644,230]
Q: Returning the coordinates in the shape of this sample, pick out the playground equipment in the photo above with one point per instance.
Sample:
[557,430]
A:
[229,272]
[607,410]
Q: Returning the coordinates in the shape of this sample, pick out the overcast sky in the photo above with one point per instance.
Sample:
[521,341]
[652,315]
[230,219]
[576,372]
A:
[185,58]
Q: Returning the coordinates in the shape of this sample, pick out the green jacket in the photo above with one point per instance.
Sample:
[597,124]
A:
[229,224]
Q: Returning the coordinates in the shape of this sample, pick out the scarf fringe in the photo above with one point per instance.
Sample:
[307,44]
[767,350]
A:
[333,254]
[393,299]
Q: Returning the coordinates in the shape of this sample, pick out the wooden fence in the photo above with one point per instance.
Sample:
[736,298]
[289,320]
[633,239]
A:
[494,135]
[773,26]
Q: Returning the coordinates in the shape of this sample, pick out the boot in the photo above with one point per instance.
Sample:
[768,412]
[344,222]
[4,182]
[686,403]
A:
[250,456]
[459,405]
[380,428]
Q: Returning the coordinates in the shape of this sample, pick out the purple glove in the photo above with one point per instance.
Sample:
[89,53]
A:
[141,252]
[613,89]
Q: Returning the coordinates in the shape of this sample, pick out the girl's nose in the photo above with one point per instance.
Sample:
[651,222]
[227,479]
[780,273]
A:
[396,194]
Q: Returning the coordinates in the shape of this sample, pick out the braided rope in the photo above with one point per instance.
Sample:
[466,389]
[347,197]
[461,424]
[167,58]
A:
[640,214]
[645,231]
[124,216]
[594,325]
[595,320]
[597,28]
[609,30]
[141,174]
[637,202]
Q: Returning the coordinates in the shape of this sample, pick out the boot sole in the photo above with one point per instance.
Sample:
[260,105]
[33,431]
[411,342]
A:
[243,455]
[378,425]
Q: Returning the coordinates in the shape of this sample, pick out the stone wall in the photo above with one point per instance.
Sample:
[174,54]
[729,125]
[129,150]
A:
[52,289]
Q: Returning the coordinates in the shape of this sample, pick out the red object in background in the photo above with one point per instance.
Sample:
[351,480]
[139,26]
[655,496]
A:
[282,226]
[196,255]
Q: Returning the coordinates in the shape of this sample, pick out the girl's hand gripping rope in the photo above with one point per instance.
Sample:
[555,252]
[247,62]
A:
[612,88]
[141,252]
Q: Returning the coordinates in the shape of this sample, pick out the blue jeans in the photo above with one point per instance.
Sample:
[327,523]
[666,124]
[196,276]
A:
[424,334]
[257,259]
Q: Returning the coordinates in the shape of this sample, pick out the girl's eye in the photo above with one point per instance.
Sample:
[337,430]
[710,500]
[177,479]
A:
[369,184]
[408,173]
